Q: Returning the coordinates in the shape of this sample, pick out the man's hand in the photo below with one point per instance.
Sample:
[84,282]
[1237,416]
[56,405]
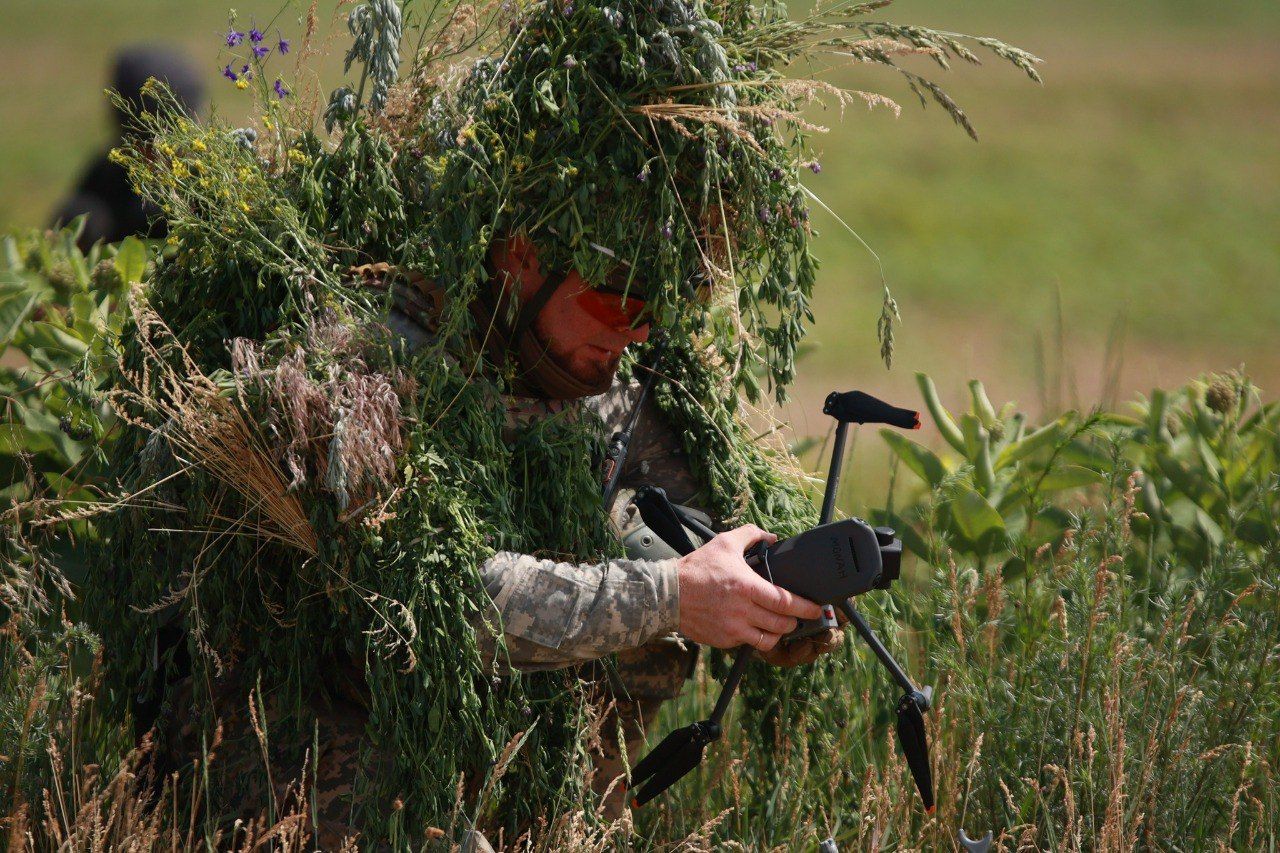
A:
[806,650]
[725,604]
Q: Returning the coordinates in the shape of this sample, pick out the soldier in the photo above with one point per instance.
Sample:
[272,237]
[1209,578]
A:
[651,609]
[103,191]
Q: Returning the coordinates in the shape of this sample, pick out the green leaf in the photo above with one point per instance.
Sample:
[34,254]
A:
[56,339]
[1013,568]
[975,516]
[131,260]
[922,461]
[982,405]
[15,308]
[1070,477]
[1047,435]
[9,253]
[941,417]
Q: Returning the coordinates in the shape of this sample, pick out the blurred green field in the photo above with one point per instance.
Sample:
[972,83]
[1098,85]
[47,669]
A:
[1140,186]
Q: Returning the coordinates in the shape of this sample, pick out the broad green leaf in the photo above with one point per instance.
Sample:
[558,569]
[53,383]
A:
[922,461]
[15,308]
[131,260]
[1013,568]
[1209,528]
[975,516]
[45,335]
[1208,457]
[86,321]
[1070,477]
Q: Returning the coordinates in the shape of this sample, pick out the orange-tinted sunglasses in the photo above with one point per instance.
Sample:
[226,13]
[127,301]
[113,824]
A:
[618,312]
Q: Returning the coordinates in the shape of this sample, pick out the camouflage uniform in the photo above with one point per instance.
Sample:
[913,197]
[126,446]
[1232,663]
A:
[561,614]
[556,615]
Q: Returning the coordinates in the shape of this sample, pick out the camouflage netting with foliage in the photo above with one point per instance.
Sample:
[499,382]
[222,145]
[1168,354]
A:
[306,497]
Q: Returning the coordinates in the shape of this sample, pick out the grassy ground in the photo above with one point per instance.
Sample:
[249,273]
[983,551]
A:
[1140,186]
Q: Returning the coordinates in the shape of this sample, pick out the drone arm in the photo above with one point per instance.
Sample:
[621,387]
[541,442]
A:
[864,631]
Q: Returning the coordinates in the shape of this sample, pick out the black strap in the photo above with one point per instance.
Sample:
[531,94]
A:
[529,310]
[620,444]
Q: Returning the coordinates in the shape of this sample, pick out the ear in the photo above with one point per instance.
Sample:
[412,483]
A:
[515,256]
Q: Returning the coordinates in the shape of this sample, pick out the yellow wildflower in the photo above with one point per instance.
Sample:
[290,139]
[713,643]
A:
[242,83]
[198,144]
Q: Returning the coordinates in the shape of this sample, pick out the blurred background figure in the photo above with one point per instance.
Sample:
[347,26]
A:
[103,192]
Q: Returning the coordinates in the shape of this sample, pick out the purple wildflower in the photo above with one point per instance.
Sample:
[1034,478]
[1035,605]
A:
[260,51]
[229,74]
[246,72]
[255,35]
[643,176]
[570,62]
[283,46]
[667,230]
[775,175]
[751,66]
[281,90]
[814,166]
[568,10]
[234,38]
[764,214]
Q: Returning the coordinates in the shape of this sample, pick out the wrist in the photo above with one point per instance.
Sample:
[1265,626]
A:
[667,581]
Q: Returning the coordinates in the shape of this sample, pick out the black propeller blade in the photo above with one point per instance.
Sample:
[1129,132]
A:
[915,747]
[671,760]
[661,517]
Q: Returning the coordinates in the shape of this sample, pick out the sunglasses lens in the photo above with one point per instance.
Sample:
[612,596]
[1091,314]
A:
[611,309]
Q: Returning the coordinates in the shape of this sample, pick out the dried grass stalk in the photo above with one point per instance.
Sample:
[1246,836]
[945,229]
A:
[209,430]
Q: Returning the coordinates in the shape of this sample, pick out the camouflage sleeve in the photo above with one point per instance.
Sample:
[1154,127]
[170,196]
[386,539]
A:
[560,614]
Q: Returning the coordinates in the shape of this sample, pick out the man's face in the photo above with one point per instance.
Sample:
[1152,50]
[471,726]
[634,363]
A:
[585,331]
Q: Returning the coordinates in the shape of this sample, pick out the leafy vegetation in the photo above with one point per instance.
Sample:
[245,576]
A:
[1094,597]
[1104,648]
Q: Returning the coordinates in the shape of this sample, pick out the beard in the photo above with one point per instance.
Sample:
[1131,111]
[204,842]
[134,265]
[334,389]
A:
[585,363]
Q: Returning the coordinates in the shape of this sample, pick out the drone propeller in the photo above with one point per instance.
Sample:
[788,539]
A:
[672,760]
[661,516]
[915,744]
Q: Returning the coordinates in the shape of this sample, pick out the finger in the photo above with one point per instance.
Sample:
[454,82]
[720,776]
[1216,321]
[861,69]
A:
[787,655]
[778,600]
[774,623]
[741,538]
[762,641]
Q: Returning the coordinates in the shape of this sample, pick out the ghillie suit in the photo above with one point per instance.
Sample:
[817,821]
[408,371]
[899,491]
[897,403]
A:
[315,497]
